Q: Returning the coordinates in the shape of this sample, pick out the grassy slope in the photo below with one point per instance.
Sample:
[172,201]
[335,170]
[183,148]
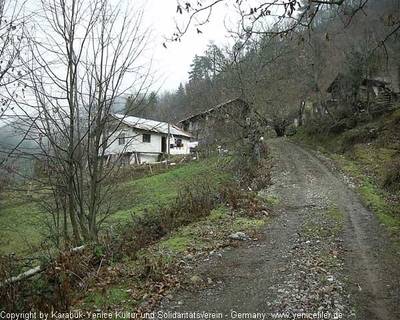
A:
[20,224]
[126,280]
[23,223]
[160,189]
[369,153]
[158,267]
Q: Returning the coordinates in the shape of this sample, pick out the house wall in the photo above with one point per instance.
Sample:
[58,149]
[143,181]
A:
[181,150]
[133,141]
[136,150]
[218,125]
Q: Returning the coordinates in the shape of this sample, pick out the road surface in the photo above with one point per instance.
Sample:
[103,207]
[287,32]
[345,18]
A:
[323,253]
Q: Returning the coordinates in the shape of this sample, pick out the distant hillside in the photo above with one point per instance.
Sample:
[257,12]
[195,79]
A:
[10,140]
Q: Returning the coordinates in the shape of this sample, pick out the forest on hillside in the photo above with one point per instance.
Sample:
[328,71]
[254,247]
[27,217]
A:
[278,68]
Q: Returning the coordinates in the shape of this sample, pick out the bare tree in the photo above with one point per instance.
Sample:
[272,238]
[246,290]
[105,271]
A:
[12,31]
[13,22]
[84,54]
[292,14]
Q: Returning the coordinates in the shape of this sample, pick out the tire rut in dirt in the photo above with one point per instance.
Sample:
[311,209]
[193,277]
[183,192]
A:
[372,267]
[249,279]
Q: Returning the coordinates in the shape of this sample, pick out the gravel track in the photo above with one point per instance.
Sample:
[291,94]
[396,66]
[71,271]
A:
[324,253]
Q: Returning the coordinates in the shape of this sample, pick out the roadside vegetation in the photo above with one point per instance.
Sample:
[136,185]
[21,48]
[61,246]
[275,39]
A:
[184,212]
[136,190]
[368,151]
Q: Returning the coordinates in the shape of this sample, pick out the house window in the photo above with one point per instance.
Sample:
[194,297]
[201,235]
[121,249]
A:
[178,143]
[146,137]
[121,138]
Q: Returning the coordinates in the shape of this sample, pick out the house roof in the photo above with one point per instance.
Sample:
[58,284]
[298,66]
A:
[340,77]
[151,125]
[374,82]
[206,112]
[335,83]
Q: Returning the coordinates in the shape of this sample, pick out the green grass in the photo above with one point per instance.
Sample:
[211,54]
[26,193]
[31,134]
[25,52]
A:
[375,200]
[23,223]
[179,243]
[150,192]
[272,200]
[22,226]
[372,195]
[109,298]
[334,213]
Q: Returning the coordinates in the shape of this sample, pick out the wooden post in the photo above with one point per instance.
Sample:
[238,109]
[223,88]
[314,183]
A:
[169,143]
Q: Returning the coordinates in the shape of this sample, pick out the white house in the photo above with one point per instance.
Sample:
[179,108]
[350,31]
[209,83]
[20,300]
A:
[138,140]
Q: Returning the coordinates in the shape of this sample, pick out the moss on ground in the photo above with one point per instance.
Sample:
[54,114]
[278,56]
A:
[219,213]
[334,213]
[272,200]
[246,224]
[111,297]
[179,243]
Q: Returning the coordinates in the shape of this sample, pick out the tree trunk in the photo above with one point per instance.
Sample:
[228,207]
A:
[280,132]
[71,147]
[280,128]
[300,114]
[253,135]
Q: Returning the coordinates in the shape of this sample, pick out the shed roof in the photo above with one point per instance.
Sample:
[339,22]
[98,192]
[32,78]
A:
[206,112]
[339,80]
[151,125]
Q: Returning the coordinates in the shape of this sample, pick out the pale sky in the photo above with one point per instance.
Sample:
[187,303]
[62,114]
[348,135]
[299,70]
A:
[169,66]
[172,64]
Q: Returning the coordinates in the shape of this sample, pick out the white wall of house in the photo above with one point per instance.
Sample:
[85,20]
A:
[181,150]
[131,140]
[146,143]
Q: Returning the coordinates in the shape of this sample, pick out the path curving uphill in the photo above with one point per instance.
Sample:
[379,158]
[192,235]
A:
[323,254]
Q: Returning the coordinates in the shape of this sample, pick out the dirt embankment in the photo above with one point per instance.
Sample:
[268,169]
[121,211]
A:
[323,252]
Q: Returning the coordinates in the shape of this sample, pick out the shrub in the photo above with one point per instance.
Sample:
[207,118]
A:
[343,125]
[140,232]
[317,126]
[391,175]
[396,118]
[361,135]
[64,274]
[195,200]
[291,130]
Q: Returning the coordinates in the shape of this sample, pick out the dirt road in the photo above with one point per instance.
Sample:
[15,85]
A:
[324,253]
